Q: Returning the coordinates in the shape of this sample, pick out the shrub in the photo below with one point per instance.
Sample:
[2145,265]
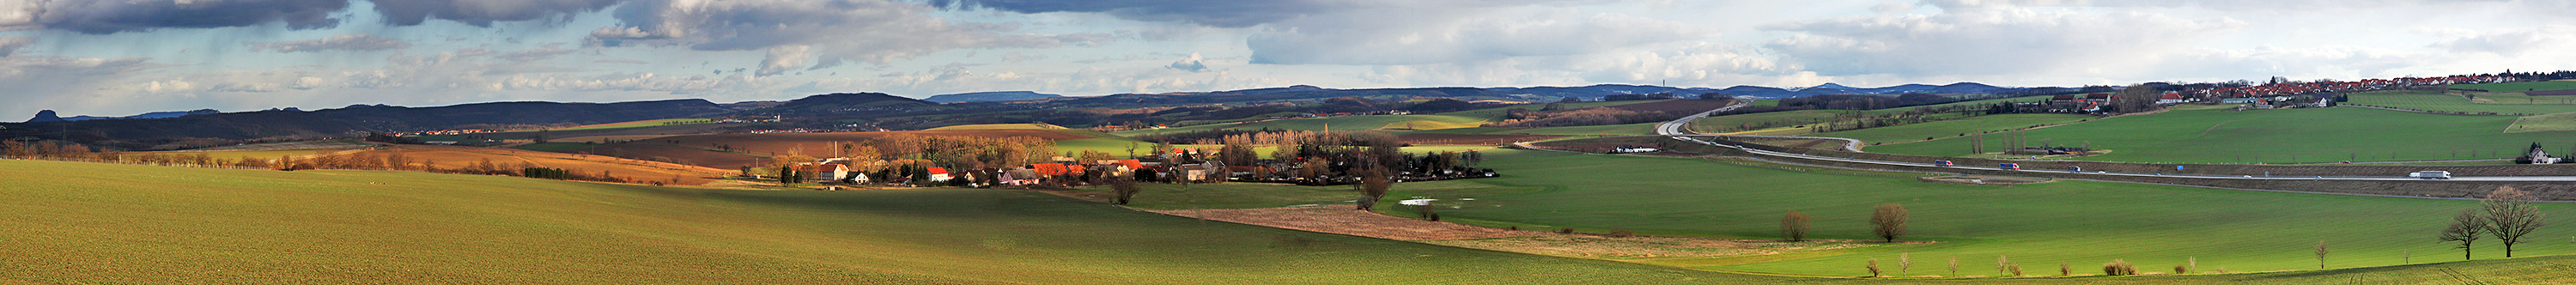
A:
[1873,268]
[1565,230]
[2119,267]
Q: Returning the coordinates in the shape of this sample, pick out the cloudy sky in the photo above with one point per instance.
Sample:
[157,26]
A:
[121,57]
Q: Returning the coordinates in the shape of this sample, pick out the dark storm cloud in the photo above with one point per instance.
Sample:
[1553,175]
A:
[483,12]
[113,16]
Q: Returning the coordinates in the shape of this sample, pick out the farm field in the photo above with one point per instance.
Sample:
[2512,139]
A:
[2038,225]
[332,227]
[512,159]
[241,154]
[2544,123]
[178,225]
[2279,136]
[1416,122]
[1954,128]
[639,124]
[1627,129]
[2436,101]
[2520,86]
[1030,126]
[1773,123]
[624,133]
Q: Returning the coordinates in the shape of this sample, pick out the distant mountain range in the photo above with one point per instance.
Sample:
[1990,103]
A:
[164,130]
[1587,92]
[989,96]
[49,116]
[179,131]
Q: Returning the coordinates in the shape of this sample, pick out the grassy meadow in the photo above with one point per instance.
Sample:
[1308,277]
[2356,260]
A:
[2038,225]
[2279,136]
[106,223]
[1028,126]
[2437,101]
[2521,86]
[640,124]
[103,223]
[1955,128]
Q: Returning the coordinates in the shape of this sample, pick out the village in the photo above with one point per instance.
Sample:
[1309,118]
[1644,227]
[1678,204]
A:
[1174,165]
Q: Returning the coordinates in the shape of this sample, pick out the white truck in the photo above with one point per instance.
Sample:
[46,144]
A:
[2430,174]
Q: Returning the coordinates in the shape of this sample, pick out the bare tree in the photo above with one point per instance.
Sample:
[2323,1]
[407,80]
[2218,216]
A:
[1904,263]
[1372,186]
[2465,230]
[1125,188]
[1889,221]
[1793,226]
[2510,216]
[2321,254]
[1873,268]
[1954,266]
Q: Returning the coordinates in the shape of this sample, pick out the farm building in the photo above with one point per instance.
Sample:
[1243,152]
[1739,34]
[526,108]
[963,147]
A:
[2169,98]
[938,174]
[1021,177]
[824,172]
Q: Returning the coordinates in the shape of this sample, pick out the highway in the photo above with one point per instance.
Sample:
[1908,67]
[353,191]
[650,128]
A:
[1673,129]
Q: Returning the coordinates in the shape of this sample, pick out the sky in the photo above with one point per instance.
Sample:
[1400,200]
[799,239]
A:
[124,57]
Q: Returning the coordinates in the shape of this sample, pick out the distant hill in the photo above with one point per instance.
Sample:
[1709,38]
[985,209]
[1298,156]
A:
[989,96]
[843,102]
[187,131]
[49,116]
[1836,89]
[1598,91]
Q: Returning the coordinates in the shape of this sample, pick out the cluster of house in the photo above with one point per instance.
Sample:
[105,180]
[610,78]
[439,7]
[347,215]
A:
[2537,156]
[2282,102]
[747,120]
[2283,89]
[1195,165]
[447,132]
[843,171]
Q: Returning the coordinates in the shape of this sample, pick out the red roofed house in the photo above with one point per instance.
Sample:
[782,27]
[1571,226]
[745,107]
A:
[938,174]
[2169,98]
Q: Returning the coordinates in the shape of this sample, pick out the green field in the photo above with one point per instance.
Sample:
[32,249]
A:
[555,147]
[2436,101]
[1627,129]
[1783,119]
[2520,86]
[138,224]
[1766,120]
[2278,136]
[640,124]
[141,224]
[1029,126]
[242,154]
[1441,121]
[2039,225]
[2544,123]
[1954,128]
